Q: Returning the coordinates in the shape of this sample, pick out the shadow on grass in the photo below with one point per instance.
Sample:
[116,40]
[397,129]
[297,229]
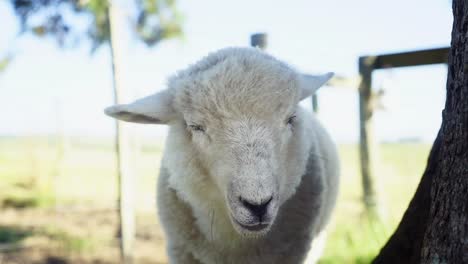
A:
[11,250]
[19,203]
[22,198]
[12,235]
[55,260]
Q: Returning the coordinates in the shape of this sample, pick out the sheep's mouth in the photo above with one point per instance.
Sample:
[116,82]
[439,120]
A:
[259,227]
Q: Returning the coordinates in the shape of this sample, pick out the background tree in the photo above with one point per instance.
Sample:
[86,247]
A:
[152,21]
[4,61]
[434,228]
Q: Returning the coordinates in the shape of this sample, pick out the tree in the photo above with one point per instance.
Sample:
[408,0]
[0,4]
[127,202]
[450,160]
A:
[153,21]
[434,228]
[4,62]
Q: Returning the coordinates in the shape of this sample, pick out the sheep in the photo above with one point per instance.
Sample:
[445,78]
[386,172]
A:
[247,175]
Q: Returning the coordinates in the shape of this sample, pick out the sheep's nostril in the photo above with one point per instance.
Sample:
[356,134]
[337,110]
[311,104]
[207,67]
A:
[258,209]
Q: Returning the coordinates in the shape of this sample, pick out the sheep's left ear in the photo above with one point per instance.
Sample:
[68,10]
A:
[153,109]
[311,83]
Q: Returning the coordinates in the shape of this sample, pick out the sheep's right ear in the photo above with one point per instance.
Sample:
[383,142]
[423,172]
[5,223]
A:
[311,83]
[153,109]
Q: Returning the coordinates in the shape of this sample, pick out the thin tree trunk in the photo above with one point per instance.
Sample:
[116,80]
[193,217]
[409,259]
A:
[434,228]
[122,142]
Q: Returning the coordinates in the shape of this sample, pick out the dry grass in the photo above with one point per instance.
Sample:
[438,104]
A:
[77,237]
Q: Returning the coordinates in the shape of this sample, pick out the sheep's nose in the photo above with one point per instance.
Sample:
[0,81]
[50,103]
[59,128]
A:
[257,209]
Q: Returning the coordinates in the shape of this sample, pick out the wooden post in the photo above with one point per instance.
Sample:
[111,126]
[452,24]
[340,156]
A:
[367,142]
[315,106]
[122,142]
[259,40]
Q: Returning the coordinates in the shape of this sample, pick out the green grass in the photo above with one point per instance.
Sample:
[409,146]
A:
[24,199]
[69,243]
[352,238]
[10,234]
[32,173]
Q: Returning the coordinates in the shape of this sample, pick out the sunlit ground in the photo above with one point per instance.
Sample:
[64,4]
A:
[352,239]
[58,202]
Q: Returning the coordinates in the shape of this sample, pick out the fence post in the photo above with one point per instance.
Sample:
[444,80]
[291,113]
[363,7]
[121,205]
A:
[123,146]
[367,146]
[259,40]
[315,106]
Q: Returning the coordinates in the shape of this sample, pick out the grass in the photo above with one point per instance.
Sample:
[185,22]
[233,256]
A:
[84,174]
[352,237]
[68,242]
[34,173]
[11,235]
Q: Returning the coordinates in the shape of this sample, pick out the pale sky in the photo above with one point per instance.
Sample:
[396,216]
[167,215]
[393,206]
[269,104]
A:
[313,36]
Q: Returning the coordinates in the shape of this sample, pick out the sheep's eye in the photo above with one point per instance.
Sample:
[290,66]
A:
[198,128]
[291,120]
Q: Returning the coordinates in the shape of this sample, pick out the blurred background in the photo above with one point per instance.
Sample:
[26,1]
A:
[63,61]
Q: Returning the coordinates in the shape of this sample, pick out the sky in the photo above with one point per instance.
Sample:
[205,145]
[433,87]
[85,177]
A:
[47,89]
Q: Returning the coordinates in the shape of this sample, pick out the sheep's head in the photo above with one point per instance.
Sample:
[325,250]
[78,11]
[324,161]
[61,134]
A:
[239,110]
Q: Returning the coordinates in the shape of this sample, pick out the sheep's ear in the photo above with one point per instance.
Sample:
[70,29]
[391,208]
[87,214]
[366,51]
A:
[311,83]
[153,109]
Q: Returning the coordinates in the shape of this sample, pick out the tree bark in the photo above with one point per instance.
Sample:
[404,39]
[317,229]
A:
[446,237]
[434,228]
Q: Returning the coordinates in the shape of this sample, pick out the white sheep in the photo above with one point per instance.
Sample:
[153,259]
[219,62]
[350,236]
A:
[247,176]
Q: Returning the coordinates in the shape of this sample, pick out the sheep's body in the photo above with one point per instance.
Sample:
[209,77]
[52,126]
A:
[247,176]
[299,220]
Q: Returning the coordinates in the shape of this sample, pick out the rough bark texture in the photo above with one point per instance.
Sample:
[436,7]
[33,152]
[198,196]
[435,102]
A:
[434,229]
[446,237]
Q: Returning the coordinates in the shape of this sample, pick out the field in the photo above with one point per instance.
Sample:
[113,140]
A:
[58,202]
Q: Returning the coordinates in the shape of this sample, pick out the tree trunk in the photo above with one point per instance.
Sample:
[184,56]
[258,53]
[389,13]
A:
[122,140]
[434,228]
